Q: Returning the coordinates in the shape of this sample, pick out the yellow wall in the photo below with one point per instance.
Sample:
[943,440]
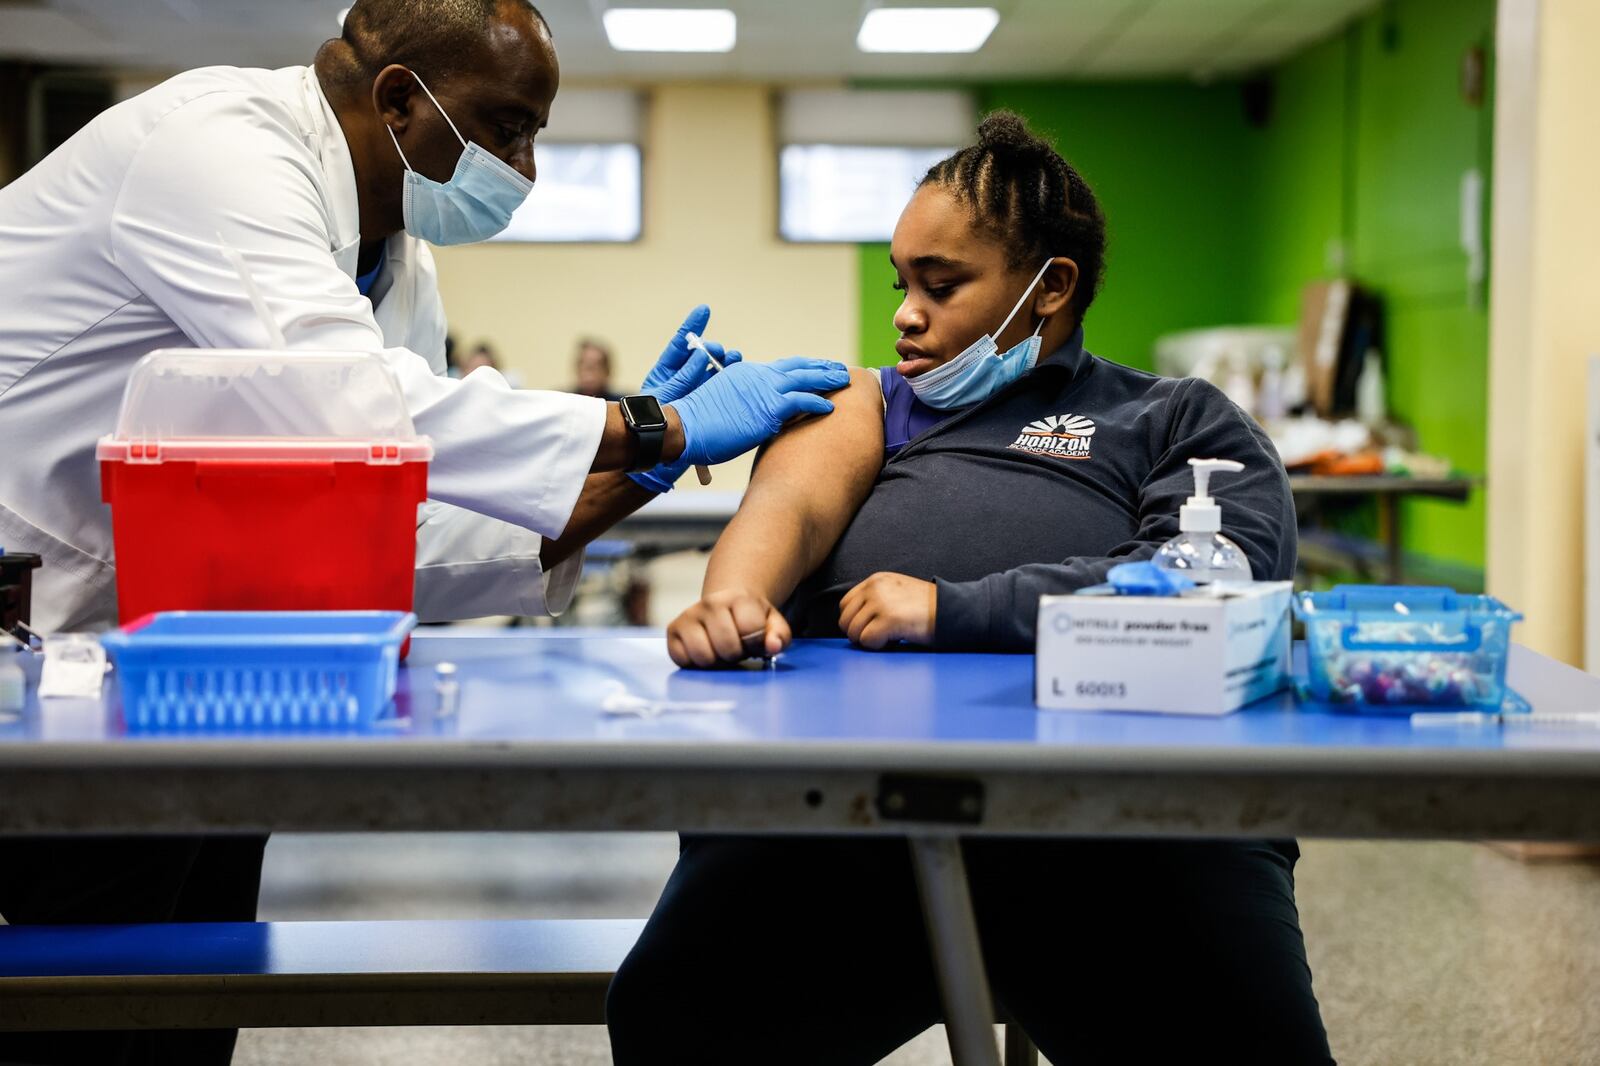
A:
[710,235]
[1546,312]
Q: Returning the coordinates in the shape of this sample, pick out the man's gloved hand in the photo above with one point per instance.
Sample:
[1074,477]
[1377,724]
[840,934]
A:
[743,407]
[747,404]
[681,370]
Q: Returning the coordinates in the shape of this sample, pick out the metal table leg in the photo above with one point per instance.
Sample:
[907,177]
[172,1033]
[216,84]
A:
[1019,1049]
[1389,532]
[957,958]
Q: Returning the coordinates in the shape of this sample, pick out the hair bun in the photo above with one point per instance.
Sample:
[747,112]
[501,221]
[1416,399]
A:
[1006,133]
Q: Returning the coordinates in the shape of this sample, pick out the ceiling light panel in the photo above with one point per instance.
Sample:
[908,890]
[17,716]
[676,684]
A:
[662,29]
[926,30]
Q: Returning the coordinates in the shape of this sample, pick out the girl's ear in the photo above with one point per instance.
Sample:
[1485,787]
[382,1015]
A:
[1056,287]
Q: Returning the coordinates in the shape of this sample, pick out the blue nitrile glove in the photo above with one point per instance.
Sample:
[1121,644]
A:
[1148,579]
[748,403]
[743,407]
[681,370]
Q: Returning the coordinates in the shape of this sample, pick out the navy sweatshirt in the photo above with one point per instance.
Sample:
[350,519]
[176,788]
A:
[1077,466]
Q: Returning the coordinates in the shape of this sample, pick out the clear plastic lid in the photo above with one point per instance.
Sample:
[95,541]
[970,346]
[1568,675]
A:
[244,404]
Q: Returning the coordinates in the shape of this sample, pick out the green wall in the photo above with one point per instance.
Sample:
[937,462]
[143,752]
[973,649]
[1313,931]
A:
[1214,222]
[1365,153]
[1299,171]
[1160,156]
[878,302]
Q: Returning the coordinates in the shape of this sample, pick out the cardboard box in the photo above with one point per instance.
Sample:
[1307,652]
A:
[1174,655]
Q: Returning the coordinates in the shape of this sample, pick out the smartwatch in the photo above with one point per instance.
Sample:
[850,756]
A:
[648,426]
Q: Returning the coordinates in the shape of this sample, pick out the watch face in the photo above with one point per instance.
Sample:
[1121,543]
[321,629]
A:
[643,412]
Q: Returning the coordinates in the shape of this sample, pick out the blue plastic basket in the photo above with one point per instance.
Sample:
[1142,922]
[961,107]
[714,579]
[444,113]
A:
[257,671]
[1391,649]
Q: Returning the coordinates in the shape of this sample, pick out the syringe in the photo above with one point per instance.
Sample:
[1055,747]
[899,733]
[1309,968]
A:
[758,637]
[702,472]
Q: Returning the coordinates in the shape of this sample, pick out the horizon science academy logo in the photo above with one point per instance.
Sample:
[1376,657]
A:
[1061,436]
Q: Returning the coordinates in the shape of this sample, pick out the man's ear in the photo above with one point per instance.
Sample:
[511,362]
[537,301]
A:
[392,93]
[1056,287]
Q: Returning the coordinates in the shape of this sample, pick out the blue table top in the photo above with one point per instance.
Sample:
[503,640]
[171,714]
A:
[546,689]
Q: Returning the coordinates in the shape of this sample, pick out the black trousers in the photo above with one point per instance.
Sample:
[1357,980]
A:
[90,880]
[812,952]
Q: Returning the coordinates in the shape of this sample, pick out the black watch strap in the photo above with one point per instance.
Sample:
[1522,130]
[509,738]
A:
[648,427]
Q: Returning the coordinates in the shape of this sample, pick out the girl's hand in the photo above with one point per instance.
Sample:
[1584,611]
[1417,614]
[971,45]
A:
[727,627]
[888,607]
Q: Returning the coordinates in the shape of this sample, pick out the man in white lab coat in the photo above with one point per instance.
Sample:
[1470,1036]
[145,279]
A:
[110,248]
[416,125]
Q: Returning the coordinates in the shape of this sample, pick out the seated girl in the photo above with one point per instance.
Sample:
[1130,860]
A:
[935,506]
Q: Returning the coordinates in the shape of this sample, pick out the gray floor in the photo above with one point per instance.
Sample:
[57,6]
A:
[1423,953]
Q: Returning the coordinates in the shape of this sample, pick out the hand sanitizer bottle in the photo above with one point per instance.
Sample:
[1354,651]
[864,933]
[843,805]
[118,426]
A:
[1200,550]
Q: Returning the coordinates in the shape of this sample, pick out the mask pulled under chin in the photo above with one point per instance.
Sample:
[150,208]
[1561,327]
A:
[980,371]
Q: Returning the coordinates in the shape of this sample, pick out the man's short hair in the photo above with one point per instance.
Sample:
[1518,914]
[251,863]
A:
[436,38]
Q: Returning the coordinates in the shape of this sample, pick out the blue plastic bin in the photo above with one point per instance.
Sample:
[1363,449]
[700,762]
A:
[1391,649]
[257,671]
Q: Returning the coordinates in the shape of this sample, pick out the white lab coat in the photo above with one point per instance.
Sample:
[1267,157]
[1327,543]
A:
[108,250]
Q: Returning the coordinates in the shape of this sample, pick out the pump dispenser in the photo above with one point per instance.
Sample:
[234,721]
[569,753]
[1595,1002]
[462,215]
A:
[1200,550]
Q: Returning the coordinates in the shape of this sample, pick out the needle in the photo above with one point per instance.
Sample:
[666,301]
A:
[702,472]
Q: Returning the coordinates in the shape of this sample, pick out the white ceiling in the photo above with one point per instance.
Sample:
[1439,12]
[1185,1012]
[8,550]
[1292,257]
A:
[779,40]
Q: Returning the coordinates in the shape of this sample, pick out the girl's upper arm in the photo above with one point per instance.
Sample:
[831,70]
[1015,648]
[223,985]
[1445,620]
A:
[827,463]
[806,488]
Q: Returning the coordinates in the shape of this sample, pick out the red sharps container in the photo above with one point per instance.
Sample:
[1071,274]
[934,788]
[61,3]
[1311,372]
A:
[263,481]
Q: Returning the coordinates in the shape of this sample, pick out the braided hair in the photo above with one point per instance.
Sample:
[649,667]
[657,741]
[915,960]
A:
[1024,194]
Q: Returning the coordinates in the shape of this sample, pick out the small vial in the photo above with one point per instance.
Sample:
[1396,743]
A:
[448,688]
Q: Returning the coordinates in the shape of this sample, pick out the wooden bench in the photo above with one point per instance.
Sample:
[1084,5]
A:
[250,975]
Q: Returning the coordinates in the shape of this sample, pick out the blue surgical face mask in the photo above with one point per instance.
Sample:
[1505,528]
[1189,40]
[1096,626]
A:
[980,371]
[474,205]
